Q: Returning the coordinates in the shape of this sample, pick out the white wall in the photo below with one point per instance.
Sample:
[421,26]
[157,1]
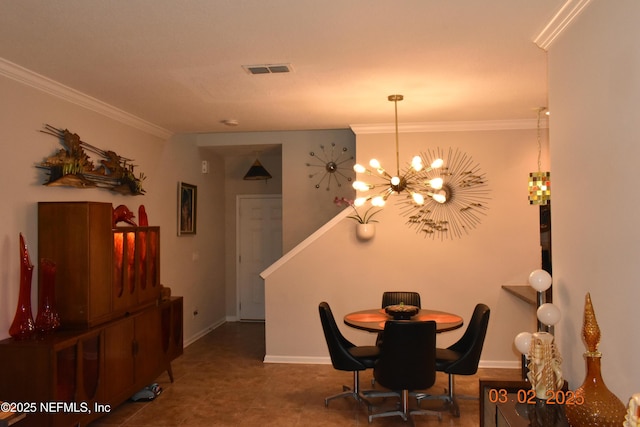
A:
[594,98]
[23,112]
[450,275]
[305,208]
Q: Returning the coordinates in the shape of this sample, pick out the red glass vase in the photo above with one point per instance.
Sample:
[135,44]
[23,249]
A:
[48,319]
[23,326]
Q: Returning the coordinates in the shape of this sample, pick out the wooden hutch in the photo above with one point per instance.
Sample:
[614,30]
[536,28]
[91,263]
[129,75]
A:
[116,337]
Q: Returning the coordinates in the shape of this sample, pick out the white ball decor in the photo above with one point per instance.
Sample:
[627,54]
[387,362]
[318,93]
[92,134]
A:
[549,314]
[540,280]
[523,342]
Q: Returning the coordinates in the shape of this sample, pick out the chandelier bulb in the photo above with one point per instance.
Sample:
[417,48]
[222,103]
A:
[361,186]
[359,201]
[359,168]
[418,198]
[374,163]
[436,183]
[416,163]
[440,197]
[395,180]
[378,201]
[437,163]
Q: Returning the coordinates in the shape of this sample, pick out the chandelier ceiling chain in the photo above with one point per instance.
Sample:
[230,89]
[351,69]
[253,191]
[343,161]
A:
[539,137]
[395,99]
[443,199]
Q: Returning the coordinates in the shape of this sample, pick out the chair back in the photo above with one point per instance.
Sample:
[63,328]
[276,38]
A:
[471,342]
[338,345]
[407,356]
[397,297]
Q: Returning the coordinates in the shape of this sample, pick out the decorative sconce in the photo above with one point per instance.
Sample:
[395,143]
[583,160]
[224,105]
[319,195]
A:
[539,182]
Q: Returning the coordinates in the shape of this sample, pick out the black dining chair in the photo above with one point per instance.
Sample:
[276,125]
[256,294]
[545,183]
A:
[406,363]
[345,356]
[394,298]
[462,357]
[400,297]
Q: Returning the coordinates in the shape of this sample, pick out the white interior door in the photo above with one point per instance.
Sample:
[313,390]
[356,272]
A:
[259,220]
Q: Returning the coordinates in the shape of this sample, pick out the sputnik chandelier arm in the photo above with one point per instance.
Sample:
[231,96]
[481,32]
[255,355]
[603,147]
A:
[409,181]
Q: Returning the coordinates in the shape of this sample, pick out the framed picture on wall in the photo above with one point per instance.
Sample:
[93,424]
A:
[187,208]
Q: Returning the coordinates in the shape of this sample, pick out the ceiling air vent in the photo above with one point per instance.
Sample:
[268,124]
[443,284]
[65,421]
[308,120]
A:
[267,68]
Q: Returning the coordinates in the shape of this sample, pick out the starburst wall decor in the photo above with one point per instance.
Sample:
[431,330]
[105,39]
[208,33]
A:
[466,193]
[330,166]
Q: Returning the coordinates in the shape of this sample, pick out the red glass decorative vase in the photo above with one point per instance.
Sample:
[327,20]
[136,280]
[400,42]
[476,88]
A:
[22,326]
[48,319]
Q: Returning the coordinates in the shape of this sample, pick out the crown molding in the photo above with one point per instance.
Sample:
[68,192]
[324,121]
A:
[449,126]
[567,13]
[29,78]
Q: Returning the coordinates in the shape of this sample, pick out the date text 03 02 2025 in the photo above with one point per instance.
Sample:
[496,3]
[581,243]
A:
[54,407]
[553,397]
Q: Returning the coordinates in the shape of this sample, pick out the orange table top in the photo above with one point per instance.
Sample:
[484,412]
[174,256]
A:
[373,320]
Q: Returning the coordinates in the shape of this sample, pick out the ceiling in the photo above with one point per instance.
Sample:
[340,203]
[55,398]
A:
[179,64]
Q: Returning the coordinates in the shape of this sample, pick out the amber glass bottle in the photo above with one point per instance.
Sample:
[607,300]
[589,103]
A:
[598,407]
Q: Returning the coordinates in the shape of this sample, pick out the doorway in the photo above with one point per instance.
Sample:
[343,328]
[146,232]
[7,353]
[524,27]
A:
[259,244]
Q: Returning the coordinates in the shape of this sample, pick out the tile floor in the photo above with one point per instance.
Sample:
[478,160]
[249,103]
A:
[221,381]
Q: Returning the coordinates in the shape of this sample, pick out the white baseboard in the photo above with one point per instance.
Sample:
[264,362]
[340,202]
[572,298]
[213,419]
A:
[326,360]
[195,337]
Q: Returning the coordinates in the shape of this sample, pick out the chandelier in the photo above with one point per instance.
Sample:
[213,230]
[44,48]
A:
[408,181]
[444,199]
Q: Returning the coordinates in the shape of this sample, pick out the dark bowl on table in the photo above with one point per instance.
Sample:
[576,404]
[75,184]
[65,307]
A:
[401,311]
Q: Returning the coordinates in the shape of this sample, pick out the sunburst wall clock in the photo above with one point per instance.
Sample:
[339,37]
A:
[330,164]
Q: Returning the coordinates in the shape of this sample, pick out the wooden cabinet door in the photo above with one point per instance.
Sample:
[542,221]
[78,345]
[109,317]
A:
[148,263]
[77,237]
[171,314]
[136,261]
[149,359]
[124,269]
[119,359]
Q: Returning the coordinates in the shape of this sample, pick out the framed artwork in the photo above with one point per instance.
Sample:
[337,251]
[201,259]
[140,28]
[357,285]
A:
[187,208]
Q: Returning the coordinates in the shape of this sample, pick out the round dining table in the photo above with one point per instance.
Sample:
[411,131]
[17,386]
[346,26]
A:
[373,320]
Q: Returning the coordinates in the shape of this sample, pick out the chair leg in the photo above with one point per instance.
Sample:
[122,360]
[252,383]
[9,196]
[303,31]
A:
[350,392]
[454,397]
[404,411]
[453,403]
[449,398]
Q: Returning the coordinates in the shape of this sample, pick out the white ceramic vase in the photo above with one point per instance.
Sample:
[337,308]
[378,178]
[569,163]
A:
[365,231]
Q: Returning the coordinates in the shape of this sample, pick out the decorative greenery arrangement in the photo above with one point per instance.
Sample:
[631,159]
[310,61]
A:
[366,218]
